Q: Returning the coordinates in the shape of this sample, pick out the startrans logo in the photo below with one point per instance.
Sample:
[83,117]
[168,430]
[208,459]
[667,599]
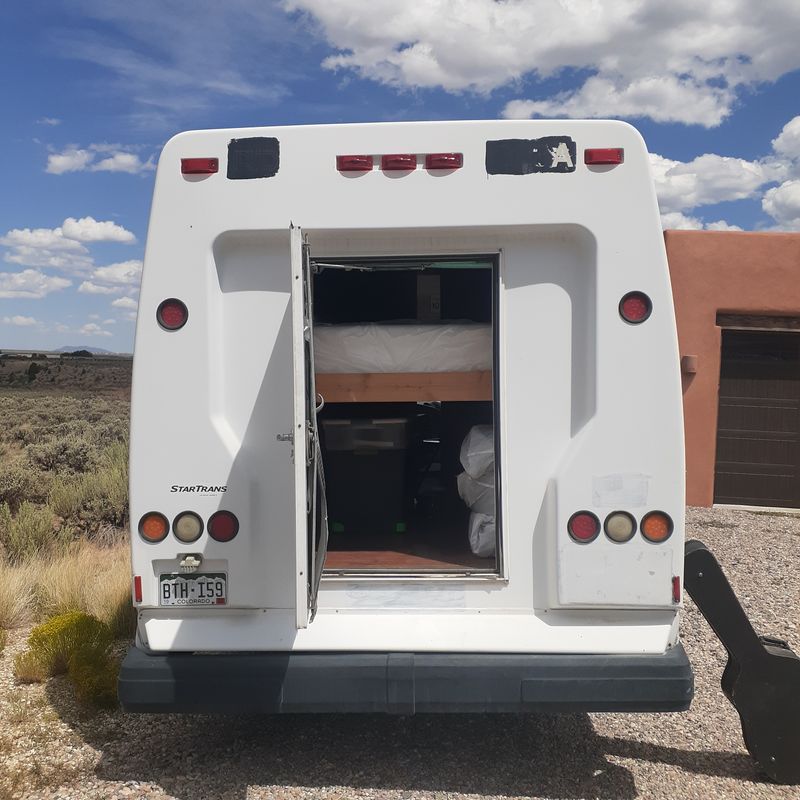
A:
[198,488]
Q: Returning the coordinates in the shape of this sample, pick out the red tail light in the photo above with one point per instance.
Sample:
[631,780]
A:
[223,526]
[199,166]
[583,527]
[444,161]
[354,163]
[399,161]
[172,314]
[635,307]
[600,156]
[137,588]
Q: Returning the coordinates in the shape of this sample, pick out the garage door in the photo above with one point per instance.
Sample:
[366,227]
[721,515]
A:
[758,431]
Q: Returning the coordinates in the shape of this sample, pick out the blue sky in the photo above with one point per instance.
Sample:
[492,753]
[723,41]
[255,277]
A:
[93,88]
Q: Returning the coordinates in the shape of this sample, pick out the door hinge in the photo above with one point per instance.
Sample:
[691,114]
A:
[285,437]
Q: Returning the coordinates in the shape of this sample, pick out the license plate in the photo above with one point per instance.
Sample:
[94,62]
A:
[203,589]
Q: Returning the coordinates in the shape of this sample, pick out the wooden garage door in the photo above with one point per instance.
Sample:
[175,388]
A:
[758,431]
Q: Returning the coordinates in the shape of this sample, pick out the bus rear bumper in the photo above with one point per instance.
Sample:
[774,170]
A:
[403,683]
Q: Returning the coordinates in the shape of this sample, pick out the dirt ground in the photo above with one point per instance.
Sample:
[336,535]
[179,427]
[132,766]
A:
[50,748]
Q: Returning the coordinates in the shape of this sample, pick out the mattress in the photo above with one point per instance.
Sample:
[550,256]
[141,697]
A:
[403,347]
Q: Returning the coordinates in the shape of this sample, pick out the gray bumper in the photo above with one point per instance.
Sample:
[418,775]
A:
[404,683]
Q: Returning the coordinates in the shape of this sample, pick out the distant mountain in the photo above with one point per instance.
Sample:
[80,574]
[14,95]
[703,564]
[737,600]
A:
[97,351]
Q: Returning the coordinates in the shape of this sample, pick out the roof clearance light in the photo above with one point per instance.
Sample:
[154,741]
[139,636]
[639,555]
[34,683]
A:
[657,527]
[603,156]
[199,166]
[620,526]
[223,526]
[153,527]
[187,526]
[635,307]
[354,163]
[398,162]
[583,527]
[444,161]
[172,314]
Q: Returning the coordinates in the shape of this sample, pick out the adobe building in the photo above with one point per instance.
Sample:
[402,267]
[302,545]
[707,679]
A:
[737,304]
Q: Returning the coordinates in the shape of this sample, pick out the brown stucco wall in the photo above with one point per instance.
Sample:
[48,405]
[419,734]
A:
[728,272]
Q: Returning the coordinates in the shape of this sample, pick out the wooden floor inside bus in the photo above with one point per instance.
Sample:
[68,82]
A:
[425,547]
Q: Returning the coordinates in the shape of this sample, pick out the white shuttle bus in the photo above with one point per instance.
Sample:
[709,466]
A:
[406,424]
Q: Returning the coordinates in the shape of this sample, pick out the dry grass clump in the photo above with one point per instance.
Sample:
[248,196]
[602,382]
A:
[17,597]
[3,639]
[92,579]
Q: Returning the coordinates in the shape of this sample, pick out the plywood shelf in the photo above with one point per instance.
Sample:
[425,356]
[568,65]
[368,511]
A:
[407,387]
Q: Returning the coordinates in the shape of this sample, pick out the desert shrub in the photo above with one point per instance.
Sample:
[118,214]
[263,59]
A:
[3,639]
[65,497]
[26,433]
[17,594]
[72,453]
[29,532]
[18,482]
[28,668]
[56,641]
[94,675]
[78,644]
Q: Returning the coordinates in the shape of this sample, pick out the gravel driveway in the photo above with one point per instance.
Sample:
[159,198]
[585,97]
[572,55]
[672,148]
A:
[49,748]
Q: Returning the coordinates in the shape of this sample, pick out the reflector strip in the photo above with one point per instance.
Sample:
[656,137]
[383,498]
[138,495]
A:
[444,161]
[676,589]
[137,588]
[600,156]
[354,163]
[199,166]
[399,161]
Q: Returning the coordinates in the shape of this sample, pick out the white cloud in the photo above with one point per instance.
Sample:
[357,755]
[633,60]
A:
[679,61]
[126,273]
[89,287]
[72,159]
[51,121]
[663,98]
[88,229]
[93,329]
[709,179]
[61,248]
[125,302]
[22,322]
[677,221]
[782,203]
[98,158]
[705,180]
[30,283]
[109,322]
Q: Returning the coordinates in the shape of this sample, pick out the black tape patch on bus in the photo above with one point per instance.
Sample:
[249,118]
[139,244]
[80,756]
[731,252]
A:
[525,156]
[257,157]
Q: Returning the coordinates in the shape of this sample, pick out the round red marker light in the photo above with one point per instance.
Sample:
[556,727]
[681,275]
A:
[223,526]
[172,314]
[583,527]
[635,307]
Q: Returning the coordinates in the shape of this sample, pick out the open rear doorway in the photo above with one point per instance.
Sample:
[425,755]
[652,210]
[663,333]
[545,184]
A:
[405,363]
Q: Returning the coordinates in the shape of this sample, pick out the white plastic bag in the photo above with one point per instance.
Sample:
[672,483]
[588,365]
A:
[477,493]
[477,451]
[481,535]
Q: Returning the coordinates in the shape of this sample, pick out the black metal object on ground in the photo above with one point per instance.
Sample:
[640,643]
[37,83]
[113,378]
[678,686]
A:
[762,677]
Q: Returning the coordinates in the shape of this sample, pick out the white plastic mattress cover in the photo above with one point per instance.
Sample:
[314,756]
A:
[403,347]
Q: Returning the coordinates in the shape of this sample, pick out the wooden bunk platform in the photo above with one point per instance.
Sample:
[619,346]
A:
[397,387]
